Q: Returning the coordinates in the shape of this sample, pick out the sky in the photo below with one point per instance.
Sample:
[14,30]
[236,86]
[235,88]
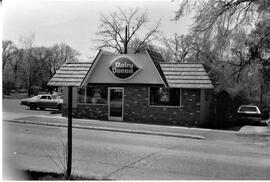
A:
[76,22]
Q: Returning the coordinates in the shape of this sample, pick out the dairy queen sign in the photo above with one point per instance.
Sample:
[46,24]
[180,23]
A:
[123,68]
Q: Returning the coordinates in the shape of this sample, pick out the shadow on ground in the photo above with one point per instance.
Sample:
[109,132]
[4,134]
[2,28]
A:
[52,111]
[38,175]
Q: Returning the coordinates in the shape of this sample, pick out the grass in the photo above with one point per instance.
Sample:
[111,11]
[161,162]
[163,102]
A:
[16,96]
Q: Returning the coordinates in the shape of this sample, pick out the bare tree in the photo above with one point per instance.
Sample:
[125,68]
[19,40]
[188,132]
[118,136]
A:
[180,46]
[112,30]
[212,13]
[8,49]
[27,41]
[219,21]
[59,54]
[16,62]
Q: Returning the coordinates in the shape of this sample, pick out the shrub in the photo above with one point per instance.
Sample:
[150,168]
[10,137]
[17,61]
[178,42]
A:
[34,90]
[227,103]
[8,86]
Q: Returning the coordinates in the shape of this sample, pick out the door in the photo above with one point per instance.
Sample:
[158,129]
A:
[43,102]
[51,102]
[46,101]
[116,100]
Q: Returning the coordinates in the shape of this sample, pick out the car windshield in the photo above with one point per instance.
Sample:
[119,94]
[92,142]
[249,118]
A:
[248,109]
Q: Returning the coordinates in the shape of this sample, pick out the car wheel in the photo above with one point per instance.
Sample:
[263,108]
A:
[33,106]
[41,108]
[59,107]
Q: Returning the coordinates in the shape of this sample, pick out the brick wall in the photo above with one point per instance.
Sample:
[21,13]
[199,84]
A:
[136,108]
[88,111]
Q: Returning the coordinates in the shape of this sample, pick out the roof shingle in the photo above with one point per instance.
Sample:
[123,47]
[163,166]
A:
[186,75]
[70,74]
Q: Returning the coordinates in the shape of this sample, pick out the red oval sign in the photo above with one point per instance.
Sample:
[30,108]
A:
[123,68]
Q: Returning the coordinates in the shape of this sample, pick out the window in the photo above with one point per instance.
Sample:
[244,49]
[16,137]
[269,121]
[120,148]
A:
[248,109]
[164,96]
[81,95]
[45,97]
[93,94]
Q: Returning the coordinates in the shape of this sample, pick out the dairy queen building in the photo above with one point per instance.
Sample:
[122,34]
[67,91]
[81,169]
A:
[139,88]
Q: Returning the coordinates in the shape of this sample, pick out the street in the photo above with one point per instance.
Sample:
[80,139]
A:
[128,156]
[13,106]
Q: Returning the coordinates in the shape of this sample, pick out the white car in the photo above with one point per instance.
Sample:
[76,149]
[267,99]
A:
[250,114]
[43,101]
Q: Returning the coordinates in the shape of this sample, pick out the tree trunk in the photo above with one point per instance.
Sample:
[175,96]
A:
[29,84]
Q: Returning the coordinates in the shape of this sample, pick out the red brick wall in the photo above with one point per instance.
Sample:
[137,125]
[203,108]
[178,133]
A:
[136,108]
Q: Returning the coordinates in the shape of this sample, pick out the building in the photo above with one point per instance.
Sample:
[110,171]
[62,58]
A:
[137,88]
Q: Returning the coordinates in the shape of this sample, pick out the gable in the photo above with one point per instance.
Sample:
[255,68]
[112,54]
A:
[145,72]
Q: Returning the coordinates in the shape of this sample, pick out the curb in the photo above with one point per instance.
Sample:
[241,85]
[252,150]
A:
[180,127]
[113,130]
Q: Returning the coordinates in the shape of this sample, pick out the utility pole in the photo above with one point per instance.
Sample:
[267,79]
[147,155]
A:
[125,42]
[69,156]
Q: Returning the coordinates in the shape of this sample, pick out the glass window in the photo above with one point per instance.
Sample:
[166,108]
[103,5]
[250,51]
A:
[164,96]
[96,95]
[81,95]
[248,109]
[43,97]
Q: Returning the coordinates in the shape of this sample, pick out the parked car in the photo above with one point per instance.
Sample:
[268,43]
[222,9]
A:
[251,114]
[43,101]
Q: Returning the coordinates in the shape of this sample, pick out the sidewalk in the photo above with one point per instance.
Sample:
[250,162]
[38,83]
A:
[147,129]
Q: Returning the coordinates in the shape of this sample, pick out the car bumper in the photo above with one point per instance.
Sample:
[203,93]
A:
[251,120]
[24,103]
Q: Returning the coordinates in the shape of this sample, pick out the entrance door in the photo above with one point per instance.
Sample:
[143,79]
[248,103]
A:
[116,100]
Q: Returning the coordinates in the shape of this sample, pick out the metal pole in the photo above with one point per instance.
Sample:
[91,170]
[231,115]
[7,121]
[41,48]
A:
[69,157]
[125,43]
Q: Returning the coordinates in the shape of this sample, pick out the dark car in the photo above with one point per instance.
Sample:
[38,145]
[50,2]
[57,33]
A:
[250,114]
[43,101]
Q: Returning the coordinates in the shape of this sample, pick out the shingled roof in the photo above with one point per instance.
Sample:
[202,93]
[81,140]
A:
[70,74]
[186,75]
[178,75]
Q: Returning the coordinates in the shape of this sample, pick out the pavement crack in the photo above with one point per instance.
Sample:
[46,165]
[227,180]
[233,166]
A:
[129,165]
[137,161]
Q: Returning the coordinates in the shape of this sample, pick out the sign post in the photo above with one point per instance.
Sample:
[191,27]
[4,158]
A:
[69,155]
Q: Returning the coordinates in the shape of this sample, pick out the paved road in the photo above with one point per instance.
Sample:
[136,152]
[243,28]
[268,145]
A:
[13,106]
[124,156]
[111,155]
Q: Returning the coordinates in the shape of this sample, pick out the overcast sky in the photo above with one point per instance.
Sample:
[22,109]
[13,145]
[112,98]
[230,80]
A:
[75,22]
